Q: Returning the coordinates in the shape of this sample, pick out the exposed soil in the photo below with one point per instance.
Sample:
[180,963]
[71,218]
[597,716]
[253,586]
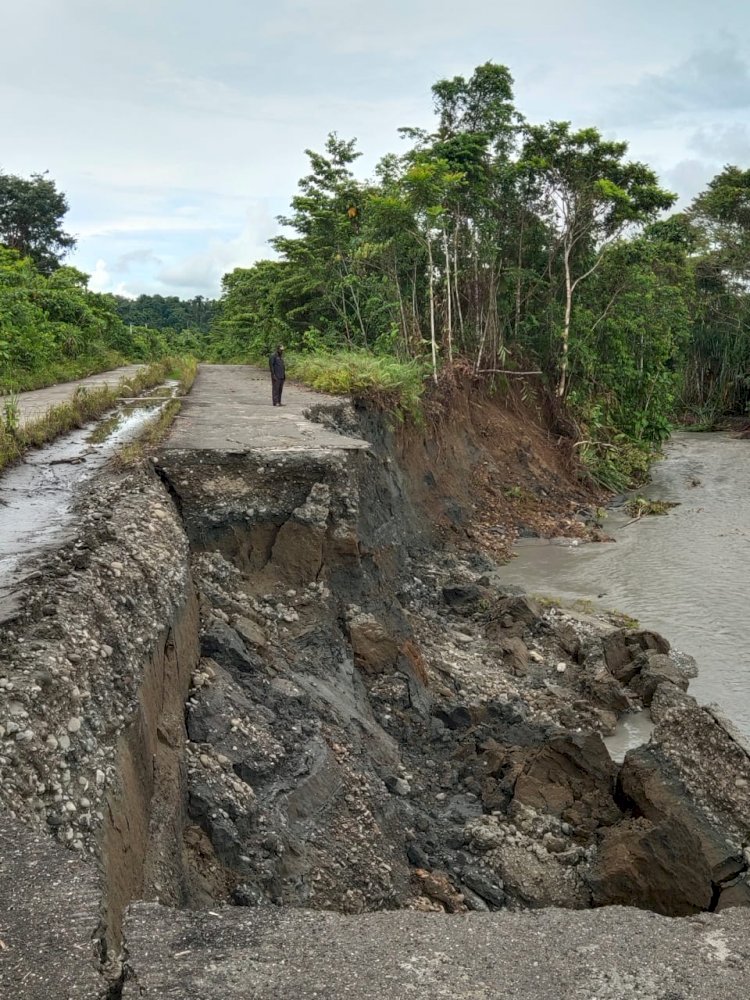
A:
[490,470]
[372,722]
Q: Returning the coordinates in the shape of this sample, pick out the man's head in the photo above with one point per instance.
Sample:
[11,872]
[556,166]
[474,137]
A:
[280,349]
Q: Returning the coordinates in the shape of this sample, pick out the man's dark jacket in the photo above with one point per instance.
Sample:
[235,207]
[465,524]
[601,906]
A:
[276,363]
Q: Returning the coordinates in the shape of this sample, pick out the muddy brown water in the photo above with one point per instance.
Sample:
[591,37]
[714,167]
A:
[686,574]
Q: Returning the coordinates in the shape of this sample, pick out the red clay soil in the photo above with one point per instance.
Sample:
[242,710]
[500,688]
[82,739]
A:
[488,468]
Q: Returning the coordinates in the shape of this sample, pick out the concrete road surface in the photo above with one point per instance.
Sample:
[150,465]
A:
[35,404]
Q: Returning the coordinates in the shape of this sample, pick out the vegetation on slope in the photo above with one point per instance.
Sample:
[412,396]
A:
[388,382]
[491,245]
[85,404]
[514,247]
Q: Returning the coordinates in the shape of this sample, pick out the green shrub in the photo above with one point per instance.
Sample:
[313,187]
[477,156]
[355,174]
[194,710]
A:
[382,380]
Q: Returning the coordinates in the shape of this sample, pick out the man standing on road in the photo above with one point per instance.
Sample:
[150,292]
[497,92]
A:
[278,374]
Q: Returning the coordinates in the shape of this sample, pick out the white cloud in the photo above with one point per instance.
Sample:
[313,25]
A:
[723,143]
[204,270]
[688,177]
[100,280]
[146,224]
[709,79]
[163,119]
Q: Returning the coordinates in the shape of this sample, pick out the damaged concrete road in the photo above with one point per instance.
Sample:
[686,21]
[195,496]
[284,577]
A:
[49,909]
[256,676]
[229,411]
[610,954]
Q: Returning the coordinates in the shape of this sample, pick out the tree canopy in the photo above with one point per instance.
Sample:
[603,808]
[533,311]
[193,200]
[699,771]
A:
[31,215]
[516,247]
[518,250]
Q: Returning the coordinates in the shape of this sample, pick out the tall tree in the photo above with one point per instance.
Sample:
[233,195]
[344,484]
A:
[721,214]
[31,214]
[590,196]
[718,367]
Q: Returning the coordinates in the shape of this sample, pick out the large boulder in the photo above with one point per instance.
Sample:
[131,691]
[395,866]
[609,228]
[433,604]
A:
[375,649]
[250,632]
[656,669]
[695,774]
[521,609]
[570,776]
[669,698]
[655,866]
[466,598]
[223,644]
[623,648]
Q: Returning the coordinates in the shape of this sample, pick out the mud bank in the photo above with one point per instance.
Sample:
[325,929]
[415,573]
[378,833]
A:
[256,679]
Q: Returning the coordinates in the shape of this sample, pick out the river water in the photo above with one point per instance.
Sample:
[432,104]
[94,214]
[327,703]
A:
[686,574]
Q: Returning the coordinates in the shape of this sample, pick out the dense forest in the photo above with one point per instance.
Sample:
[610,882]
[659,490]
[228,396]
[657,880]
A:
[52,327]
[516,248]
[490,247]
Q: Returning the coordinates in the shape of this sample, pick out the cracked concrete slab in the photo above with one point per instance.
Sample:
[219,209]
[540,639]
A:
[607,954]
[49,912]
[229,410]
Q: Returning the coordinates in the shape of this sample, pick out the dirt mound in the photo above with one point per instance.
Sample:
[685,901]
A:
[490,468]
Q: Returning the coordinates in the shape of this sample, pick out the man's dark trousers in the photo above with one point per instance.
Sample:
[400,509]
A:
[278,374]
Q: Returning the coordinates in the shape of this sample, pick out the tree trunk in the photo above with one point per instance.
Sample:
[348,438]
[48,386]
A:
[450,297]
[519,261]
[433,342]
[562,385]
[402,311]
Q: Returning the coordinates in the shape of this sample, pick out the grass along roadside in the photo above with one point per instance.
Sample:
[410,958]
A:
[155,431]
[382,380]
[21,380]
[84,405]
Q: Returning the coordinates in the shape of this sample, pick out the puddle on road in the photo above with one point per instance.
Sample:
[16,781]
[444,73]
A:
[36,497]
[115,422]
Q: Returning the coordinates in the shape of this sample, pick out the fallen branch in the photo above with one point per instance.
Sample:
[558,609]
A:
[597,444]
[503,371]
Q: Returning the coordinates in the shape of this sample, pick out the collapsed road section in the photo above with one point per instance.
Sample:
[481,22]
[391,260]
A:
[255,686]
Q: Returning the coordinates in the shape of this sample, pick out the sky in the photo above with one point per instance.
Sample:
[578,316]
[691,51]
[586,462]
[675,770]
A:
[177,128]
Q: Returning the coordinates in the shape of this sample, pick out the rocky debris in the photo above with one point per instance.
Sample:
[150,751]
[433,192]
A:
[518,609]
[222,643]
[515,654]
[374,648]
[439,892]
[610,953]
[250,632]
[639,660]
[694,776]
[289,775]
[371,725]
[570,776]
[657,669]
[623,647]
[668,698]
[72,664]
[465,598]
[656,866]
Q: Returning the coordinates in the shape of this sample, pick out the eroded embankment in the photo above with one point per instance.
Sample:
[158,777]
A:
[256,679]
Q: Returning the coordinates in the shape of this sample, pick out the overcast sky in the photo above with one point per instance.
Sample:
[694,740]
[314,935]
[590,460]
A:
[177,128]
